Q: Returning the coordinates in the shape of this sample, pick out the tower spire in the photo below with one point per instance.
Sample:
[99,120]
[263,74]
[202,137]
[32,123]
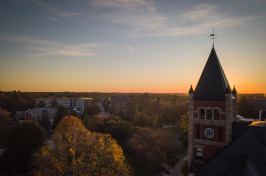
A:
[213,37]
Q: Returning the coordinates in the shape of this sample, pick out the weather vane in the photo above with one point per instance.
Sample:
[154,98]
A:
[213,37]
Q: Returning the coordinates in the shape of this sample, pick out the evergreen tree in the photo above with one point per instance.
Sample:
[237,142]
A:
[23,141]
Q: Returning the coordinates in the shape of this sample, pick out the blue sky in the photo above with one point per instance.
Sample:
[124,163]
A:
[129,45]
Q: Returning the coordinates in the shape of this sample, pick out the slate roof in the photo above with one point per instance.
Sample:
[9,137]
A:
[41,111]
[246,155]
[20,114]
[212,83]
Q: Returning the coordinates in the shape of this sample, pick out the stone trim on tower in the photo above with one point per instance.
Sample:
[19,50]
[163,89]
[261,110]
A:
[212,108]
[190,126]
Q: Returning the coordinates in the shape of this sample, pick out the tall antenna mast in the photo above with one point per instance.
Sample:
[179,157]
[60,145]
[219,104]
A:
[213,37]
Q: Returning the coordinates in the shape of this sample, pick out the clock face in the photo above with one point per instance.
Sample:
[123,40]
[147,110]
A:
[209,133]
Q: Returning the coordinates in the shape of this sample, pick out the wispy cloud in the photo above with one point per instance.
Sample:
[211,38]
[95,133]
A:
[120,3]
[55,11]
[145,20]
[41,48]
[131,49]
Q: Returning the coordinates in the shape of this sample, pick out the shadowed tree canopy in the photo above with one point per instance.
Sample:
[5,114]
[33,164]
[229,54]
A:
[54,102]
[60,113]
[95,153]
[145,103]
[119,129]
[23,141]
[153,145]
[92,110]
[144,120]
[41,104]
[245,109]
[6,124]
[131,109]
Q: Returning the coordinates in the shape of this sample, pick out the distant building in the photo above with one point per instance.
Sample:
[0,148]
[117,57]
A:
[118,103]
[82,103]
[78,103]
[67,102]
[38,114]
[20,116]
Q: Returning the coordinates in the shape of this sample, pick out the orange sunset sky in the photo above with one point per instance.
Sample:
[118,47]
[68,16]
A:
[129,45]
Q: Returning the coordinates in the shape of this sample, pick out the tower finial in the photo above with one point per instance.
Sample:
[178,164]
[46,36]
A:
[213,37]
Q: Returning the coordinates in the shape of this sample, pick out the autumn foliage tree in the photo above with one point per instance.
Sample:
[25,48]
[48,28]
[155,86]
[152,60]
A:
[94,153]
[184,128]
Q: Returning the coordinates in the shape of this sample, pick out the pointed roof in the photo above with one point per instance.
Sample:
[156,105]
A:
[234,91]
[191,90]
[212,84]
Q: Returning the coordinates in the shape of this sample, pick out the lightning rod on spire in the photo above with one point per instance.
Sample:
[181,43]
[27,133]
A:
[213,37]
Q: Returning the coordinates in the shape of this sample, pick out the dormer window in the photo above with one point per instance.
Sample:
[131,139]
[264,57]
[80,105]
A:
[201,113]
[216,114]
[208,114]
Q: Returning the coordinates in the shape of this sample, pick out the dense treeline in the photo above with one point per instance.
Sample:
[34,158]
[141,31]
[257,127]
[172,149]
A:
[138,129]
[246,109]
[20,101]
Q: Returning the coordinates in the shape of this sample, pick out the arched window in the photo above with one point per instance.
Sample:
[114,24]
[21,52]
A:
[208,114]
[216,114]
[201,113]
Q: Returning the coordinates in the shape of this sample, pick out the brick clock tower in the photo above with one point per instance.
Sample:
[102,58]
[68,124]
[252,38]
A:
[212,109]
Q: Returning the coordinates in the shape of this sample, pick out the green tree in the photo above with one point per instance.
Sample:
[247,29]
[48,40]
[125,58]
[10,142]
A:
[156,105]
[119,129]
[92,110]
[175,98]
[54,102]
[95,153]
[106,105]
[167,118]
[60,113]
[41,104]
[74,113]
[95,122]
[145,103]
[131,109]
[153,146]
[46,124]
[23,141]
[144,120]
[85,120]
[245,109]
